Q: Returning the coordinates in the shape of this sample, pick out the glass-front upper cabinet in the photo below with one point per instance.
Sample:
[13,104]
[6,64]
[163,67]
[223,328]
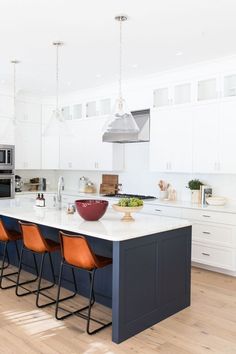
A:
[91,109]
[105,106]
[182,93]
[229,85]
[77,111]
[207,89]
[161,97]
[66,113]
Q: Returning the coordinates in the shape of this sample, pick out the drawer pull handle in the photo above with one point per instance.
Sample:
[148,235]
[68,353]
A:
[206,232]
[206,216]
[158,209]
[205,254]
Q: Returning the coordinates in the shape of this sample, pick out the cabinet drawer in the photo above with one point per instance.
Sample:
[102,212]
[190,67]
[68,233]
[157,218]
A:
[162,210]
[210,216]
[213,256]
[222,235]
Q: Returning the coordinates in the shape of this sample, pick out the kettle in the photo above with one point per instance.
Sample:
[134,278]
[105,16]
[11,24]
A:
[83,181]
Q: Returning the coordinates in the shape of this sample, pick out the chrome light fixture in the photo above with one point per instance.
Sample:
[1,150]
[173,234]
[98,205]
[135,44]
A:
[121,126]
[57,125]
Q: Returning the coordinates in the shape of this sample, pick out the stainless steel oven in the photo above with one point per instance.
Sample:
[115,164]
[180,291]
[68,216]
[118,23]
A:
[7,157]
[7,186]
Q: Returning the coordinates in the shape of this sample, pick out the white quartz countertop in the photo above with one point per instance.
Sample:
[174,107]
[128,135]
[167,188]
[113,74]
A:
[110,227]
[228,208]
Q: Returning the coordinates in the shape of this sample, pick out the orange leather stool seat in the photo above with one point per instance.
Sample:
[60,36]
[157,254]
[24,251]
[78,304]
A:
[77,253]
[33,239]
[35,243]
[7,236]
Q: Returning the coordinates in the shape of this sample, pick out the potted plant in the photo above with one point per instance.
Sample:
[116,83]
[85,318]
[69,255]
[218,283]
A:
[195,185]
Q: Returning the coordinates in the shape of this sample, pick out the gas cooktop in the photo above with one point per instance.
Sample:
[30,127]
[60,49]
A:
[124,195]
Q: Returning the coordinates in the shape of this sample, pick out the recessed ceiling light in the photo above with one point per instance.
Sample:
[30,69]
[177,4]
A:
[134,66]
[179,53]
[98,76]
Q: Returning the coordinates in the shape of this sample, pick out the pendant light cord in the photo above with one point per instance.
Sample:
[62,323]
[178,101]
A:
[57,77]
[121,57]
[14,92]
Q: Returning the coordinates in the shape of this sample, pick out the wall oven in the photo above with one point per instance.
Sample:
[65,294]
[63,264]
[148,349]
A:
[7,157]
[7,186]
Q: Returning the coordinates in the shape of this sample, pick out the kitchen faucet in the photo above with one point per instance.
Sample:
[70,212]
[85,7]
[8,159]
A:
[60,188]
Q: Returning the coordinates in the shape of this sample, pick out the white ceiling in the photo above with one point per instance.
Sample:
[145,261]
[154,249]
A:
[155,32]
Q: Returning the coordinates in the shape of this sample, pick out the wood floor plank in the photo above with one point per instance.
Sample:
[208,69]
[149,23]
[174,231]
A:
[208,326]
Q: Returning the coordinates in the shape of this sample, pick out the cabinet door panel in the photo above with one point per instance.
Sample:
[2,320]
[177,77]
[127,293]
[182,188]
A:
[227,137]
[171,140]
[181,140]
[160,152]
[206,138]
[28,146]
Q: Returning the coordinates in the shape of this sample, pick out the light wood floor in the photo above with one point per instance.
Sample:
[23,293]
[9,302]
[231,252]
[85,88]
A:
[208,326]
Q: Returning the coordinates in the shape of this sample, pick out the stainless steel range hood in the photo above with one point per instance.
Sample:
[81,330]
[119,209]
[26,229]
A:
[142,119]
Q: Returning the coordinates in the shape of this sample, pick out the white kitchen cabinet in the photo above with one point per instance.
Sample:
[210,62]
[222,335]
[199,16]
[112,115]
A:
[227,141]
[86,151]
[206,138]
[28,146]
[171,140]
[50,152]
[28,112]
[7,131]
[6,106]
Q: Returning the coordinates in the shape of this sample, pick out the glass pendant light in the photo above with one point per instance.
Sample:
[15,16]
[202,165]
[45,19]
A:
[11,124]
[57,125]
[121,126]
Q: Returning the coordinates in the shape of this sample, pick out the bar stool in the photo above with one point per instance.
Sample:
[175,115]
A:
[77,254]
[7,236]
[34,242]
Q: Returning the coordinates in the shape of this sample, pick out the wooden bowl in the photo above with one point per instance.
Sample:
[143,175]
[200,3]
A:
[127,211]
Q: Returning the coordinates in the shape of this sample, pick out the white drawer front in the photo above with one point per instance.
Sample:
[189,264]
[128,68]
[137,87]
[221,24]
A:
[216,257]
[210,216]
[162,210]
[221,235]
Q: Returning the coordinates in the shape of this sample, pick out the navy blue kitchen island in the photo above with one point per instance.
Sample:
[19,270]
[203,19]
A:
[149,279]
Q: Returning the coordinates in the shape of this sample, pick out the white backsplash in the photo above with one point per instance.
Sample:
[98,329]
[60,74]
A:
[136,177]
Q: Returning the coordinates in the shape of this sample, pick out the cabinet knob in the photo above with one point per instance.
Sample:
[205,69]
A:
[206,232]
[205,254]
[206,216]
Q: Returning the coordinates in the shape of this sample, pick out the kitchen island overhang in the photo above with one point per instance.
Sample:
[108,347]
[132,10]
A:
[149,279]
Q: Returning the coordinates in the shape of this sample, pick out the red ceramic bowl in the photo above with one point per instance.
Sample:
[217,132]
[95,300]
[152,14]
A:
[91,209]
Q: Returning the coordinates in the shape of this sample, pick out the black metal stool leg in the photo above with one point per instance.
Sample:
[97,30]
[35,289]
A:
[91,302]
[58,300]
[3,267]
[4,254]
[18,284]
[39,290]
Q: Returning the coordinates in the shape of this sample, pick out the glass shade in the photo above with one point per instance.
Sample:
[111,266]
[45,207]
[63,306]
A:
[57,125]
[121,120]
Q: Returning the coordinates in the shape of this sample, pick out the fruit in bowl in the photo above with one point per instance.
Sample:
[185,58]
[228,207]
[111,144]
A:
[128,206]
[91,209]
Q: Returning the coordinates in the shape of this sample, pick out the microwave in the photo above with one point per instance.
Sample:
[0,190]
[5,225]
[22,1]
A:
[7,157]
